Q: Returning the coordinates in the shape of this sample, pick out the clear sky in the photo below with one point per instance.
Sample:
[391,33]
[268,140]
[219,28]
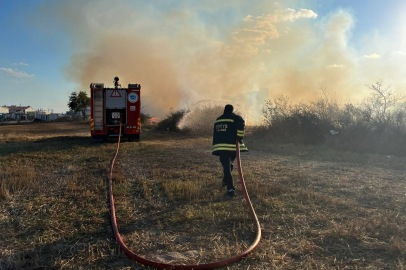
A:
[185,51]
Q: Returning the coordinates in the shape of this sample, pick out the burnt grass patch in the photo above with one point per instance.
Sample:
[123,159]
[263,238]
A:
[319,208]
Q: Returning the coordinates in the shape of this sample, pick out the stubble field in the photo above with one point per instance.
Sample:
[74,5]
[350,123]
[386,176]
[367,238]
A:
[318,208]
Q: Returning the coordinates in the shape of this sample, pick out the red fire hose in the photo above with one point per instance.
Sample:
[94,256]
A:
[213,265]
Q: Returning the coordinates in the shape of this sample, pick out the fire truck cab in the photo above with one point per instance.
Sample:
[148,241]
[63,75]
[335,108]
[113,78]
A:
[110,105]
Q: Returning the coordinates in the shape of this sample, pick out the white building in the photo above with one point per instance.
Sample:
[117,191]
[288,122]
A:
[21,112]
[54,116]
[42,114]
[4,113]
[4,110]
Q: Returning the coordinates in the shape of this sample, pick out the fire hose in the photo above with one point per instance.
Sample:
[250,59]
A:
[159,265]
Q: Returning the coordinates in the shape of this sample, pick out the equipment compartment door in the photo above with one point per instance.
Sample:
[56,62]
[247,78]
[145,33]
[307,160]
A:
[98,109]
[133,110]
[116,98]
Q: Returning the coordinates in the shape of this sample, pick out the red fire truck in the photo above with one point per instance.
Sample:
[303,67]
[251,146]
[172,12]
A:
[109,105]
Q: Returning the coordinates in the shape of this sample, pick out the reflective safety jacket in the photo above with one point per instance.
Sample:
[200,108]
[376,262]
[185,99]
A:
[227,129]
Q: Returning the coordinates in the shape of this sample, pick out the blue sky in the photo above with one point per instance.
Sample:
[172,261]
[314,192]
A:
[386,17]
[40,39]
[32,51]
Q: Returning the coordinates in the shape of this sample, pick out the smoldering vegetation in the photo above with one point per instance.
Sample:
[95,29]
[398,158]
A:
[201,118]
[145,118]
[375,125]
[171,121]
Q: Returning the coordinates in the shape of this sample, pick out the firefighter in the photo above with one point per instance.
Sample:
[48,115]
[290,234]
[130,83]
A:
[227,128]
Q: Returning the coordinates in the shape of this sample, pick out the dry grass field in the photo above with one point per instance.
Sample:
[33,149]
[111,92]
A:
[318,208]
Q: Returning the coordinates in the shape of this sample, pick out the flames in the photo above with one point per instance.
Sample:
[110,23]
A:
[155,120]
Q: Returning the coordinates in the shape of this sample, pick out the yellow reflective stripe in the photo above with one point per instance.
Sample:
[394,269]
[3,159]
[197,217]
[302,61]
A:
[225,144]
[231,148]
[228,149]
[225,120]
[223,149]
[240,134]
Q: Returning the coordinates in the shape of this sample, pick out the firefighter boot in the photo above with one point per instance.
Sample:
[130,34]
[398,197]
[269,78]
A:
[231,192]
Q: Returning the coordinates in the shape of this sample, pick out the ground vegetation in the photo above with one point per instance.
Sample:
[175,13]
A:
[319,207]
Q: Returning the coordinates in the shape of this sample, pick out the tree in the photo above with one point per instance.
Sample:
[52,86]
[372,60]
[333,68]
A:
[78,102]
[382,99]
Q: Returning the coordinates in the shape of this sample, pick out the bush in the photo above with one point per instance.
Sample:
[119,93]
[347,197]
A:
[300,123]
[170,123]
[374,125]
[145,118]
[301,127]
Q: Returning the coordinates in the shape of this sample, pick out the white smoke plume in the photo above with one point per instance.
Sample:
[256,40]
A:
[184,52]
[204,113]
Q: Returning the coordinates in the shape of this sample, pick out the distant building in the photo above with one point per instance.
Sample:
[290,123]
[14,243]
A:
[21,112]
[45,115]
[4,115]
[54,116]
[4,110]
[42,115]
[26,113]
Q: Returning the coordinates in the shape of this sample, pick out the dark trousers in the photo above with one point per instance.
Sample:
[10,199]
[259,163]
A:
[226,160]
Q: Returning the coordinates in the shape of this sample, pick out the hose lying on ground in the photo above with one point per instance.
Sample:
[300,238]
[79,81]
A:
[159,265]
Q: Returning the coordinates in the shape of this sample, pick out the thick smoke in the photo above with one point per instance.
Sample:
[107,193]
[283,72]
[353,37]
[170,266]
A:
[185,53]
[203,114]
